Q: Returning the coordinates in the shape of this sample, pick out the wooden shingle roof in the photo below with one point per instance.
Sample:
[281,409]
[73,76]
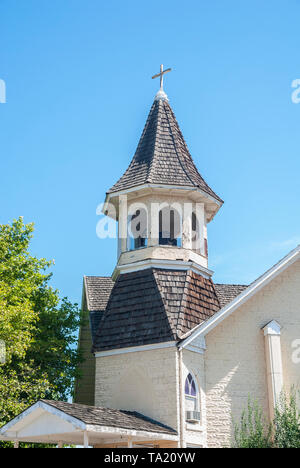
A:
[153,306]
[162,156]
[97,292]
[97,416]
[227,292]
[98,289]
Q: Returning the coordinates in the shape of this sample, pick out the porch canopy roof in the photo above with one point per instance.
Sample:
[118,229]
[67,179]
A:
[57,422]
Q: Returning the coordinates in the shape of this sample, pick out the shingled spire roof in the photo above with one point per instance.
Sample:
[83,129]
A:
[162,156]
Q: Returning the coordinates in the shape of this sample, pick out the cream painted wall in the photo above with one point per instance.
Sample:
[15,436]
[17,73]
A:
[144,381]
[235,357]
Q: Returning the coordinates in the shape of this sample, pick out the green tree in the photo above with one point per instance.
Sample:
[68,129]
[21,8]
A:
[37,327]
[252,430]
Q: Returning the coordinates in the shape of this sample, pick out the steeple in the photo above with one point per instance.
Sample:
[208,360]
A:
[162,156]
[162,203]
[163,286]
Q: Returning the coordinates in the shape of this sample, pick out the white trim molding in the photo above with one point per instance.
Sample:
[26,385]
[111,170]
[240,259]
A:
[76,423]
[242,298]
[135,349]
[165,264]
[162,186]
[198,347]
[272,328]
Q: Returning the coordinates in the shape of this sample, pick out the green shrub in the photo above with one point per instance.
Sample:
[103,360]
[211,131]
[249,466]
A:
[287,421]
[253,430]
[284,432]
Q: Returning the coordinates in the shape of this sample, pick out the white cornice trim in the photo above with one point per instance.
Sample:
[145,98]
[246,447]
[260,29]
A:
[135,349]
[272,328]
[254,288]
[162,186]
[195,349]
[119,431]
[165,264]
[76,423]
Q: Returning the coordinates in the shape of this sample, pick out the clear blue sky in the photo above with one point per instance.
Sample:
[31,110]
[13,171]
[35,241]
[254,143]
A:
[79,88]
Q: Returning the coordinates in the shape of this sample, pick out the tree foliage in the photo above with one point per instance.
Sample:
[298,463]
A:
[252,431]
[284,432]
[37,327]
[287,421]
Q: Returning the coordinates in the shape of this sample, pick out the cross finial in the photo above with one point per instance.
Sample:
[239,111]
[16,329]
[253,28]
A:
[161,75]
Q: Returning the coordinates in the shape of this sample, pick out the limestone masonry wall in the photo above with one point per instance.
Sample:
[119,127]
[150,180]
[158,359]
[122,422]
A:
[235,357]
[144,381]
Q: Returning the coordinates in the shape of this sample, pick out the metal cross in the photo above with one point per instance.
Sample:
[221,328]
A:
[161,75]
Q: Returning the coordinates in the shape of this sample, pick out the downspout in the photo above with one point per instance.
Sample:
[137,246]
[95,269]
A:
[181,401]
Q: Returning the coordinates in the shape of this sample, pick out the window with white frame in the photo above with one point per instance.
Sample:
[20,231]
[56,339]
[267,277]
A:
[191,394]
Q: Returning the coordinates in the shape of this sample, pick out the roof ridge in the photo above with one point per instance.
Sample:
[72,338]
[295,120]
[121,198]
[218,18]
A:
[231,284]
[170,317]
[174,142]
[103,316]
[154,145]
[97,276]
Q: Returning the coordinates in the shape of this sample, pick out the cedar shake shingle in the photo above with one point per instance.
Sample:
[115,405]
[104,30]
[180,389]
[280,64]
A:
[162,156]
[227,292]
[154,306]
[97,291]
[151,306]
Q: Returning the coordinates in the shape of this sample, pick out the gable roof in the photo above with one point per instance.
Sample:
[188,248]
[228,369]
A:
[162,156]
[243,297]
[227,292]
[154,306]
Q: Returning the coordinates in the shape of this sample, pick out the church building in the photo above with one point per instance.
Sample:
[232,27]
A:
[170,357]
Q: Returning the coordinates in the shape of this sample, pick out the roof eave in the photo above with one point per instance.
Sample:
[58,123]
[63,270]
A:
[111,197]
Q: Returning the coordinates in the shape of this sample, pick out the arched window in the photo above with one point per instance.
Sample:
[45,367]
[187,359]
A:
[195,233]
[137,230]
[191,394]
[169,227]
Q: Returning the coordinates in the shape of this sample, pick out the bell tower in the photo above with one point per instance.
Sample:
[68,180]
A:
[162,287]
[162,203]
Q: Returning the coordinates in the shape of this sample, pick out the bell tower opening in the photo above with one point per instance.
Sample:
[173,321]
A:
[170,227]
[138,229]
